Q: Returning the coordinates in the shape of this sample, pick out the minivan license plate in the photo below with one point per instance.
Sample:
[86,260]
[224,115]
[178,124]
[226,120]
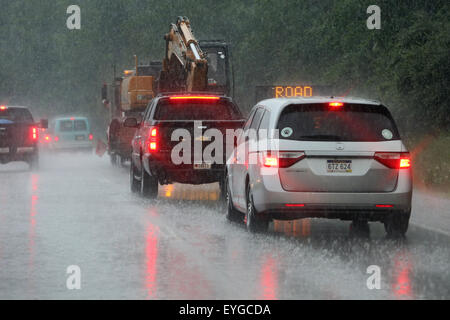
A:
[339,166]
[202,166]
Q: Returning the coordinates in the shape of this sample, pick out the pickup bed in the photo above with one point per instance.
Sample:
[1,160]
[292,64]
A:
[184,139]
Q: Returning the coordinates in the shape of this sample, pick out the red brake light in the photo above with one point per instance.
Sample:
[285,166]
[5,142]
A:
[282,159]
[336,104]
[394,160]
[270,162]
[34,133]
[56,138]
[384,206]
[91,136]
[2,108]
[152,142]
[47,138]
[405,163]
[295,205]
[194,97]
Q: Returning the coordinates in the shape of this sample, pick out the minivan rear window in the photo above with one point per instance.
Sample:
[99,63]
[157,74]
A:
[66,125]
[80,125]
[196,110]
[350,122]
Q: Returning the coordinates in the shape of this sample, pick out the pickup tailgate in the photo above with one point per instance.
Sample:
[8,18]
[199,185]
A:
[201,138]
[15,135]
[198,125]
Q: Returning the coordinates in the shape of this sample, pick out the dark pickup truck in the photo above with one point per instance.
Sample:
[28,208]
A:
[182,138]
[19,136]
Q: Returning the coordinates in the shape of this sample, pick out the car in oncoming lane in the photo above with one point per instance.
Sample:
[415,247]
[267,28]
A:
[19,135]
[320,157]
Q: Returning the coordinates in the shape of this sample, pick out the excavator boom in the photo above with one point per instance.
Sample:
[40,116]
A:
[185,67]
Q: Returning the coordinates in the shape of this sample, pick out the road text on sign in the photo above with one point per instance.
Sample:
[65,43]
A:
[292,91]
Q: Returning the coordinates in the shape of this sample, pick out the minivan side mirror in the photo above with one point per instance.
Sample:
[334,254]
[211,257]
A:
[131,123]
[43,124]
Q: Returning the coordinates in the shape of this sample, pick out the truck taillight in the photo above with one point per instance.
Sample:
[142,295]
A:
[152,140]
[34,133]
[281,159]
[394,160]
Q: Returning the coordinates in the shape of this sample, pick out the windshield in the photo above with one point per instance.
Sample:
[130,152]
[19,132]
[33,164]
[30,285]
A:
[216,68]
[15,115]
[198,110]
[352,122]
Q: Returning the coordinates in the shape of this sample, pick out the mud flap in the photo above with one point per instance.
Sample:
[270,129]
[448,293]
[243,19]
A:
[101,148]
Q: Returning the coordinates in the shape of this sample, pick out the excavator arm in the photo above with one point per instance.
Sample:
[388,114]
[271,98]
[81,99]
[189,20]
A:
[185,67]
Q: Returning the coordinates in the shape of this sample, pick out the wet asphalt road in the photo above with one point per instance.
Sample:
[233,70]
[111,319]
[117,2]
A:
[78,210]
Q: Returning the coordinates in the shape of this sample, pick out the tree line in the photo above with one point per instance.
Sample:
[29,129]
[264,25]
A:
[405,64]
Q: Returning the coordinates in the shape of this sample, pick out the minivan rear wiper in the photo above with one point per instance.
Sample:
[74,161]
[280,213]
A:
[322,137]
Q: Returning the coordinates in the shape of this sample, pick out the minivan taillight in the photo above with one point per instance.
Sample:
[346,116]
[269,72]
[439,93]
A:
[152,142]
[281,159]
[394,160]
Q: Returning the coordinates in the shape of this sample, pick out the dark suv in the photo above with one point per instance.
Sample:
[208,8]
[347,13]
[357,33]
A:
[19,136]
[175,138]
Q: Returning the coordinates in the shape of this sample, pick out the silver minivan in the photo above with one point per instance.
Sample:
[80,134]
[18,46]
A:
[320,157]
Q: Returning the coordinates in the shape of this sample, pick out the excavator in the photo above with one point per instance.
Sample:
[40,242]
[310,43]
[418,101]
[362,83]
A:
[194,66]
[188,66]
[127,96]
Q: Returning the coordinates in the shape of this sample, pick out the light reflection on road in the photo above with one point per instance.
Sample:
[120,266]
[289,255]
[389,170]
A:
[151,255]
[269,278]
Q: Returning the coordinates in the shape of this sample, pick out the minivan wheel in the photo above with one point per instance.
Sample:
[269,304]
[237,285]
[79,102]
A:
[135,185]
[149,185]
[254,222]
[396,224]
[232,214]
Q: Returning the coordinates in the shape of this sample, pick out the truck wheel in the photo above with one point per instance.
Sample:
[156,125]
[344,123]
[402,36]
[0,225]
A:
[135,184]
[33,162]
[122,161]
[397,224]
[149,185]
[113,159]
[254,222]
[232,214]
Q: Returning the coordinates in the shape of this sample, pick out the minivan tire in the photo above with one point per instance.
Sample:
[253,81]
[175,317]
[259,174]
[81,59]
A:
[232,214]
[254,222]
[396,224]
